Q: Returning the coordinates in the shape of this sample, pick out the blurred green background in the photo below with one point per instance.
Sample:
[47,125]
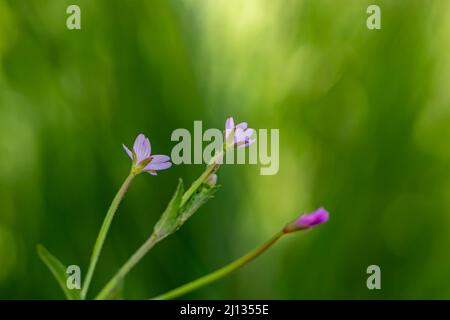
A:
[364,119]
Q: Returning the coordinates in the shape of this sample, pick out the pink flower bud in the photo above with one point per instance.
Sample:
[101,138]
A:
[307,221]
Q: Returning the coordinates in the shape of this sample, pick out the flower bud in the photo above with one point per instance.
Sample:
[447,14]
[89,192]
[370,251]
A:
[307,221]
[211,180]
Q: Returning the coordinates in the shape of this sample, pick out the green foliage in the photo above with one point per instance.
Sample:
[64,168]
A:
[176,215]
[364,131]
[59,272]
[170,219]
[197,200]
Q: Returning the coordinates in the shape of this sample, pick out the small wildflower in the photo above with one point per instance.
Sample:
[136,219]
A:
[239,135]
[142,158]
[307,221]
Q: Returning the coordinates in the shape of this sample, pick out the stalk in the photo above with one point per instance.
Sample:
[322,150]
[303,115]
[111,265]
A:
[222,272]
[103,232]
[135,258]
[149,244]
[211,168]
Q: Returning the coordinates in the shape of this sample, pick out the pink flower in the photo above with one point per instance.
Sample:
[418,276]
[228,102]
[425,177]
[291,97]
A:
[239,135]
[307,221]
[142,158]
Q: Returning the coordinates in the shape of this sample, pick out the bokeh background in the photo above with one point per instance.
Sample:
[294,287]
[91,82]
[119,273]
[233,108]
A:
[364,119]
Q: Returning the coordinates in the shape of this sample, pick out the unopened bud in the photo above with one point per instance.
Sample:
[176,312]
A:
[307,221]
[211,180]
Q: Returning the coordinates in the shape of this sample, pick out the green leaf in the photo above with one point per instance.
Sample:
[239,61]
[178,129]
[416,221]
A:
[197,200]
[59,272]
[169,222]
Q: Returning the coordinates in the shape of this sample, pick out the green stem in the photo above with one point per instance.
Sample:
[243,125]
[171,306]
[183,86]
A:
[135,258]
[220,272]
[211,168]
[138,255]
[103,232]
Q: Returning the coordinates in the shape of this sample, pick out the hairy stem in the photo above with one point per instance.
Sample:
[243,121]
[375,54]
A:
[211,168]
[220,272]
[103,232]
[119,276]
[138,255]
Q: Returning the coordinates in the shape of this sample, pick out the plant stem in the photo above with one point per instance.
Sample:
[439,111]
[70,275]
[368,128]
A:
[211,168]
[135,258]
[103,232]
[140,253]
[220,272]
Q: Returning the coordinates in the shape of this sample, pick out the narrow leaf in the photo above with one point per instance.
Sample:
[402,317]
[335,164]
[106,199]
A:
[197,200]
[168,223]
[59,272]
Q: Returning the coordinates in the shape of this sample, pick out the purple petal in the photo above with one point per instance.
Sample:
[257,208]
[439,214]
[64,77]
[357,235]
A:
[158,158]
[142,148]
[129,153]
[240,136]
[242,125]
[157,166]
[147,148]
[153,173]
[248,133]
[239,132]
[317,217]
[229,124]
[248,142]
[138,143]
